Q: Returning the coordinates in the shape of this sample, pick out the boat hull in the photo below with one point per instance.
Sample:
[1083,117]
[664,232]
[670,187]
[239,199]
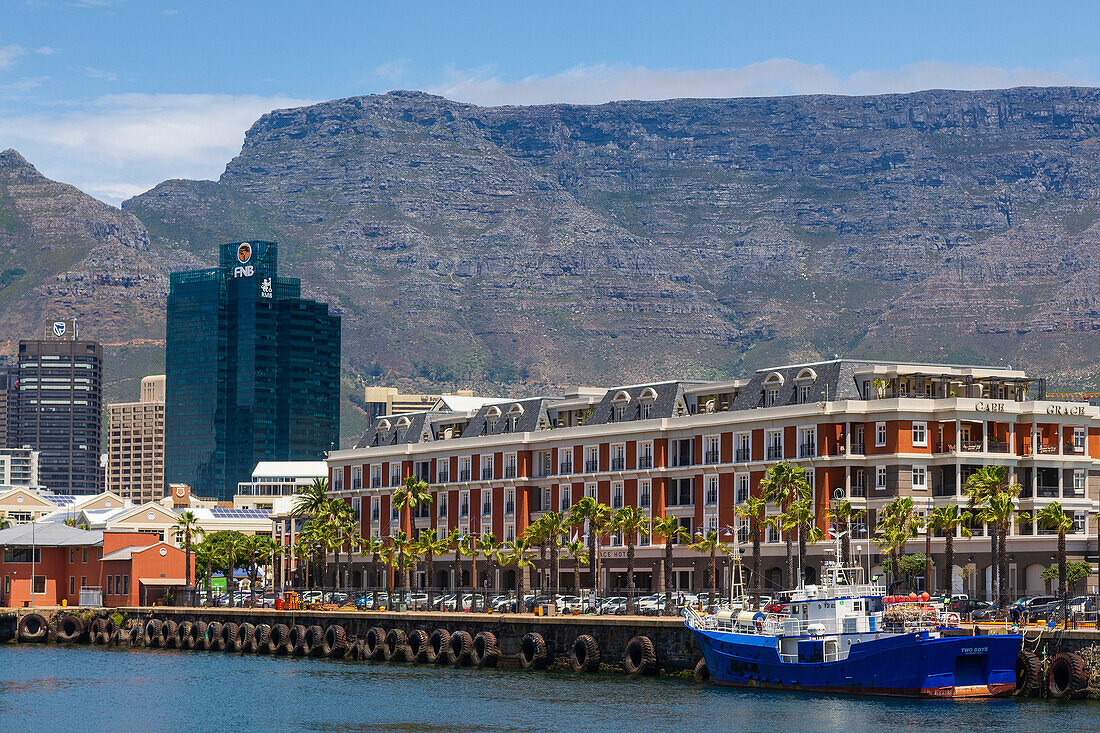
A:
[904,665]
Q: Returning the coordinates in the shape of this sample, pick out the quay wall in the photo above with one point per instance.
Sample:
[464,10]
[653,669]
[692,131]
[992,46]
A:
[675,647]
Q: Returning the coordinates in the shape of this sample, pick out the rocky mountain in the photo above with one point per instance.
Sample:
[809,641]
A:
[63,254]
[492,247]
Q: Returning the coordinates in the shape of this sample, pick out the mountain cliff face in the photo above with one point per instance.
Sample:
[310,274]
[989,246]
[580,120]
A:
[636,240]
[64,254]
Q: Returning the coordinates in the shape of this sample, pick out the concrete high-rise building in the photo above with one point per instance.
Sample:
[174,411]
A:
[57,407]
[135,444]
[253,372]
[19,467]
[8,380]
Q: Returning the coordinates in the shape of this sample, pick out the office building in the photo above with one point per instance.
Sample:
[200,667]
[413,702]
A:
[135,444]
[18,468]
[380,401]
[864,431]
[57,409]
[252,372]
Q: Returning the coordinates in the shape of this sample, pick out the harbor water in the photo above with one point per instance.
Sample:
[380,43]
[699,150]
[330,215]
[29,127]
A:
[54,688]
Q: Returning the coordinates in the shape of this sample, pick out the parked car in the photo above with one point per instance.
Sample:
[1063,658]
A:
[966,606]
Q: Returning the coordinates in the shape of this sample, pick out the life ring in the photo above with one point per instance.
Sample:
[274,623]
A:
[951,619]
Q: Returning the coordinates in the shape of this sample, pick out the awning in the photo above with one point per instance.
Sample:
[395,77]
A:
[163,581]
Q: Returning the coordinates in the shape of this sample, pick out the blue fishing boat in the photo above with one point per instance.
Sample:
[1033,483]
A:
[845,636]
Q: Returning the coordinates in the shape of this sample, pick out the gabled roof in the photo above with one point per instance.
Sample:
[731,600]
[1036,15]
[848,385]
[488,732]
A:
[664,396]
[528,413]
[49,535]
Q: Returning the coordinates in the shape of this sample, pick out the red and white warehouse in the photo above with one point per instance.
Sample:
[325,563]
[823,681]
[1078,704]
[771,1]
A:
[864,430]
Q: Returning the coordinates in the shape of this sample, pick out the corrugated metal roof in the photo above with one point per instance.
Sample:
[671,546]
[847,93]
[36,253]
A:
[49,535]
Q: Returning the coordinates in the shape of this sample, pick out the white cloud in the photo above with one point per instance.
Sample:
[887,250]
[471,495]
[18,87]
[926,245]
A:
[391,70]
[8,55]
[598,83]
[123,144]
[100,74]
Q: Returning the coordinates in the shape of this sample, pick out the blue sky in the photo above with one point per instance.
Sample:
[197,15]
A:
[116,95]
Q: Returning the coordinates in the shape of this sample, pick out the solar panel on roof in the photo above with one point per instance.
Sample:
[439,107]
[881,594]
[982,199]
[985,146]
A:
[221,513]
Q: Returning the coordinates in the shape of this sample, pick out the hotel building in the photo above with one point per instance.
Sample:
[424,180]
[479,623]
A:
[866,431]
[135,444]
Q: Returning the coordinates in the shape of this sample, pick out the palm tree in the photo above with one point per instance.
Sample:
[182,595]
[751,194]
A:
[255,550]
[596,515]
[539,536]
[629,521]
[371,547]
[1052,516]
[188,525]
[232,544]
[983,486]
[555,526]
[799,518]
[401,543]
[841,515]
[898,522]
[518,554]
[488,545]
[999,514]
[948,519]
[755,510]
[431,545]
[303,550]
[311,499]
[577,552]
[410,496]
[389,558]
[670,529]
[710,544]
[783,484]
[206,554]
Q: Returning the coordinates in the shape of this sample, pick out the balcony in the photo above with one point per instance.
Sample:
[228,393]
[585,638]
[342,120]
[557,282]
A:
[464,474]
[711,498]
[375,515]
[943,489]
[998,446]
[376,482]
[591,466]
[395,480]
[643,501]
[711,457]
[464,510]
[859,490]
[618,464]
[487,473]
[681,461]
[857,448]
[741,497]
[645,462]
[807,450]
[971,446]
[1047,491]
[509,472]
[509,507]
[486,509]
[442,511]
[775,452]
[1071,449]
[616,502]
[1047,449]
[443,477]
[743,455]
[565,469]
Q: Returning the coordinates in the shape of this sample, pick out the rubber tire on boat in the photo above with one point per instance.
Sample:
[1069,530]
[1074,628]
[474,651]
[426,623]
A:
[213,639]
[246,632]
[115,639]
[701,673]
[152,632]
[228,639]
[438,649]
[640,656]
[296,641]
[176,635]
[184,635]
[315,641]
[485,652]
[1068,675]
[394,648]
[33,628]
[533,653]
[374,642]
[277,642]
[459,647]
[260,637]
[1029,674]
[69,629]
[418,646]
[168,633]
[585,656]
[335,641]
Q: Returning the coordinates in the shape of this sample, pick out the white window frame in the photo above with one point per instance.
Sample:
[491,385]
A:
[921,427]
[803,394]
[645,449]
[565,496]
[922,471]
[710,482]
[880,434]
[741,481]
[1080,481]
[618,491]
[771,396]
[591,490]
[645,489]
[1080,522]
[464,498]
[1079,439]
[881,477]
[617,451]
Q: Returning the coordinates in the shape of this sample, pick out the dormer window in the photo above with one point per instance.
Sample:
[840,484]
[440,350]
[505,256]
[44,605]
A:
[492,418]
[619,405]
[402,429]
[513,418]
[772,385]
[645,403]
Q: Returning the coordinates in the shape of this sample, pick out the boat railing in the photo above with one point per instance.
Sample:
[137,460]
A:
[761,624]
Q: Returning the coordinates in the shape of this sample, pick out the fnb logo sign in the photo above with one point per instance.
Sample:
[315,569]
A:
[244,255]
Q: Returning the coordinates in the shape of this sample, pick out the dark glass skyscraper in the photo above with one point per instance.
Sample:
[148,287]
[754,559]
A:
[55,407]
[253,372]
